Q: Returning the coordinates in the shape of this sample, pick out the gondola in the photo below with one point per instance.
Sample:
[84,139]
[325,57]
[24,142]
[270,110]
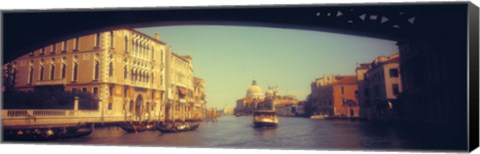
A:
[132,128]
[171,127]
[79,133]
[45,135]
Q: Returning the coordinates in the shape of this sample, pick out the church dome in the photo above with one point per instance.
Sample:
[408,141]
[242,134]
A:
[254,91]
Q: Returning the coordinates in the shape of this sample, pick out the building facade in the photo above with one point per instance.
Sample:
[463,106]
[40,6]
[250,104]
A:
[363,92]
[133,76]
[334,96]
[200,98]
[255,100]
[180,99]
[121,68]
[382,85]
[249,103]
[433,83]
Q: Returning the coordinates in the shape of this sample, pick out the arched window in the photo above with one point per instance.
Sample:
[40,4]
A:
[133,75]
[153,79]
[148,78]
[112,39]
[153,53]
[110,69]
[14,74]
[135,46]
[126,44]
[125,73]
[97,70]
[64,71]
[75,72]
[41,72]
[30,76]
[52,72]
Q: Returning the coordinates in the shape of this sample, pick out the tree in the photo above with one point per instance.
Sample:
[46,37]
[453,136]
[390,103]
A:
[8,77]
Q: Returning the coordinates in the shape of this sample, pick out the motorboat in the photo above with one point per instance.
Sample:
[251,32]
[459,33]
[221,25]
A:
[318,116]
[265,118]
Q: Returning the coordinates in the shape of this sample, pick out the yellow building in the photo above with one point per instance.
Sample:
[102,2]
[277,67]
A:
[180,88]
[200,98]
[123,68]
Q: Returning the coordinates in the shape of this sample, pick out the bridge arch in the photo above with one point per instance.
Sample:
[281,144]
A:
[384,21]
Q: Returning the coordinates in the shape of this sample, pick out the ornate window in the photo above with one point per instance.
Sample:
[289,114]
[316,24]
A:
[110,69]
[126,44]
[112,39]
[41,72]
[75,71]
[30,76]
[96,71]
[125,73]
[64,71]
[52,72]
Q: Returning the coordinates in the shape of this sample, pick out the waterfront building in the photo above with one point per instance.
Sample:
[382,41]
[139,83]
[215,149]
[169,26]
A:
[227,110]
[122,68]
[282,104]
[300,108]
[253,97]
[180,100]
[199,98]
[271,100]
[433,82]
[363,91]
[381,86]
[133,76]
[334,95]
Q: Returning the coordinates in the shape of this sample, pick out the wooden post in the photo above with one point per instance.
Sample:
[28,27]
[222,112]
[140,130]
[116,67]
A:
[75,105]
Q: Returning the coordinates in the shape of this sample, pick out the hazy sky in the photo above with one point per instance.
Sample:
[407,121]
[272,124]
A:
[229,57]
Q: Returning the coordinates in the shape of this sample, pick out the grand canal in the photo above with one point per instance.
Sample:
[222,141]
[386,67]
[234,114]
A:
[292,133]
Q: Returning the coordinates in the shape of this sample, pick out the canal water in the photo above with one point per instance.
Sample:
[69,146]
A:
[292,133]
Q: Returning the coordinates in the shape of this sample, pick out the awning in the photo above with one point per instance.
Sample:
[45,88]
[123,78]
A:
[182,90]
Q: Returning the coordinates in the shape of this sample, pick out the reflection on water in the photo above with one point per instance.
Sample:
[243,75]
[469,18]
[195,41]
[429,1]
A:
[291,133]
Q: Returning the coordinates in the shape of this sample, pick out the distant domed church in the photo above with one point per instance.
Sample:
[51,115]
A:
[254,91]
[255,99]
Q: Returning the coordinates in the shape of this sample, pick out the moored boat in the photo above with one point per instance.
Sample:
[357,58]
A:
[45,134]
[175,127]
[131,127]
[265,118]
[318,117]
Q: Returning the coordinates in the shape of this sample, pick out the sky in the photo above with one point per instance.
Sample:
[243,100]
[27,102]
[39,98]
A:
[229,57]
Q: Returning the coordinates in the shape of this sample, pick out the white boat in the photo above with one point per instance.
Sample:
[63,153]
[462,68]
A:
[265,118]
[318,116]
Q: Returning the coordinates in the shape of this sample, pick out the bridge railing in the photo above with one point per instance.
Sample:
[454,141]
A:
[22,113]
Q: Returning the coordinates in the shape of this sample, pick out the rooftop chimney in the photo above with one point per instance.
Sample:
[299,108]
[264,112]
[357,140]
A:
[157,36]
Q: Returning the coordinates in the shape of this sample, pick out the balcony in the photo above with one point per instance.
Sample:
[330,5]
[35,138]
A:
[50,82]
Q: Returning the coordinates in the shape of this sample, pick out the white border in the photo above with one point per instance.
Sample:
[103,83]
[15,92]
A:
[7,5]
